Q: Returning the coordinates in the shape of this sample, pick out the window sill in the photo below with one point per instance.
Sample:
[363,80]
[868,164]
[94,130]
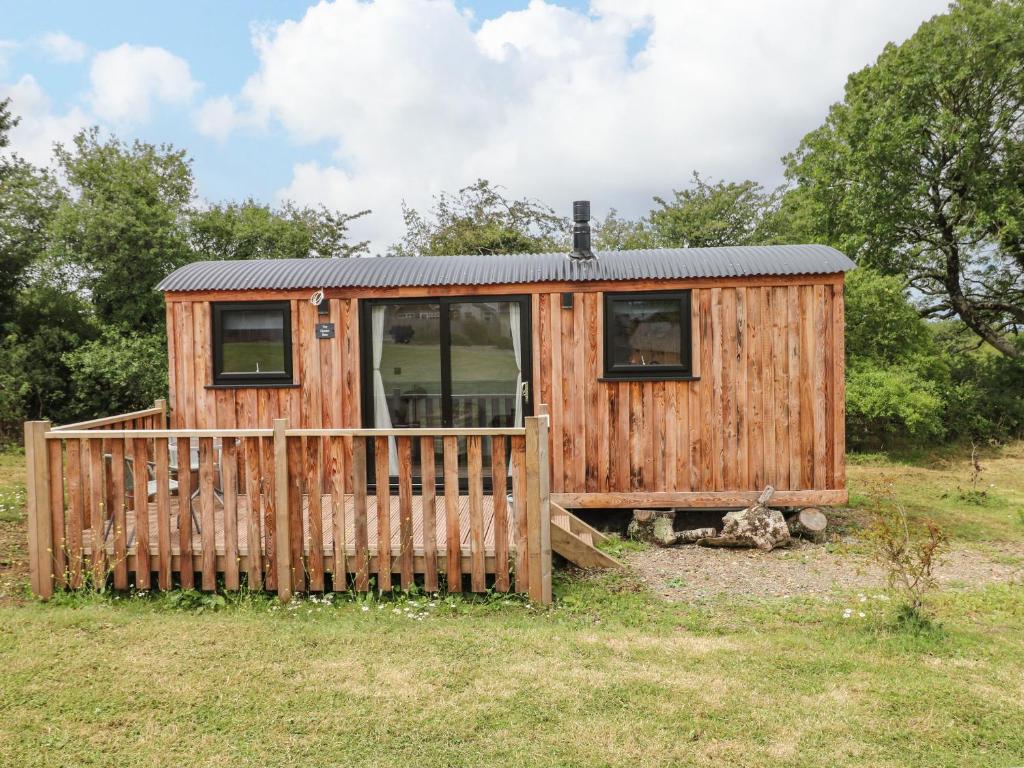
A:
[252,385]
[638,377]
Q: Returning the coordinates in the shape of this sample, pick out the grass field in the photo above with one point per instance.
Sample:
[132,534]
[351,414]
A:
[610,676]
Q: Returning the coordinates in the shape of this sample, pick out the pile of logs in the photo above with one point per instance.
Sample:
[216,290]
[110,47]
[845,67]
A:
[758,526]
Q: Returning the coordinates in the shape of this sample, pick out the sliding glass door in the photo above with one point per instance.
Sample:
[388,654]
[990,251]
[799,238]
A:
[448,362]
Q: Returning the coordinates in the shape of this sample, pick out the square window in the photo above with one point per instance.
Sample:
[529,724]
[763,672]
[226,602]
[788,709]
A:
[647,335]
[252,343]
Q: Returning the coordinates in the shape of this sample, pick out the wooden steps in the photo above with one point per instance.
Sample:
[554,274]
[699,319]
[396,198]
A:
[577,541]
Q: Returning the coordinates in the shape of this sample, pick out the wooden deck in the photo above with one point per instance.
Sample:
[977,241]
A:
[327,543]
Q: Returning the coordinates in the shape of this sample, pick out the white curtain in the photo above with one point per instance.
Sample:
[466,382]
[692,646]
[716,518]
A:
[381,414]
[517,336]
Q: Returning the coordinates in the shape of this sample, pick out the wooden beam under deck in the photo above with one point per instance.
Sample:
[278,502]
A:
[698,499]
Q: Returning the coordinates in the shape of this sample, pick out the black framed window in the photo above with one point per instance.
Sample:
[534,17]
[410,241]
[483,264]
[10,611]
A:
[252,343]
[647,335]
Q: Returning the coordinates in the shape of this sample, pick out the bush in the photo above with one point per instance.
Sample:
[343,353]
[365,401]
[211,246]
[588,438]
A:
[986,399]
[117,373]
[890,405]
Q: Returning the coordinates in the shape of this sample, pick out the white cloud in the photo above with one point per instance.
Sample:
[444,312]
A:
[128,79]
[217,117]
[62,47]
[553,103]
[7,48]
[33,138]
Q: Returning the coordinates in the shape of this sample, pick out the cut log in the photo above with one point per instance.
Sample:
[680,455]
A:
[653,527]
[809,523]
[695,535]
[756,526]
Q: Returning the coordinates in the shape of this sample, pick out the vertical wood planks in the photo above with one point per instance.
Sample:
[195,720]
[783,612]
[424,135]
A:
[405,552]
[517,454]
[538,511]
[755,388]
[116,509]
[314,474]
[383,513]
[360,525]
[37,501]
[77,484]
[806,388]
[185,502]
[429,506]
[96,514]
[499,490]
[818,392]
[828,416]
[623,459]
[254,542]
[282,544]
[780,358]
[229,487]
[296,529]
[578,345]
[589,344]
[768,387]
[793,375]
[140,503]
[268,481]
[58,541]
[335,451]
[839,384]
[474,468]
[208,531]
[739,363]
[163,511]
[453,537]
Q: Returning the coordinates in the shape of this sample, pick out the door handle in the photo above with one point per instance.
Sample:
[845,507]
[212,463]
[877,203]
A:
[525,391]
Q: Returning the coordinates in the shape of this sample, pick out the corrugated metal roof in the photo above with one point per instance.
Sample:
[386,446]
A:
[398,271]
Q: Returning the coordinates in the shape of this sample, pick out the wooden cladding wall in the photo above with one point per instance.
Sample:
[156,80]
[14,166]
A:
[326,393]
[766,405]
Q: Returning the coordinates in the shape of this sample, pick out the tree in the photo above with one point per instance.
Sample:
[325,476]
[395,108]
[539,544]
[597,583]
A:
[251,230]
[116,373]
[29,197]
[918,170]
[479,219]
[7,122]
[715,214]
[897,378]
[123,227]
[618,234]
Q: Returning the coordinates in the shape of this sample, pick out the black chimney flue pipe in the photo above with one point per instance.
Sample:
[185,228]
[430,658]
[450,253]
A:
[581,230]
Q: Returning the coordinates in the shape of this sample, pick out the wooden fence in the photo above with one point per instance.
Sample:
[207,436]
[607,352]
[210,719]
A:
[288,510]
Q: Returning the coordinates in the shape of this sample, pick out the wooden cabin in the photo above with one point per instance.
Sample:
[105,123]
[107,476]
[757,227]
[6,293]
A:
[366,423]
[673,377]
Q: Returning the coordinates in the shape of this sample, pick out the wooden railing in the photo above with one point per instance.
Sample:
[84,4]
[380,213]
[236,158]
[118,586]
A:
[288,510]
[148,418]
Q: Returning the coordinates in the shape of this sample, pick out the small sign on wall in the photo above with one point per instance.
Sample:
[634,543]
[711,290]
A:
[325,330]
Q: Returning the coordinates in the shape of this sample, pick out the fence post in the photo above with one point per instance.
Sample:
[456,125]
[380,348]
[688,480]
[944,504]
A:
[538,509]
[281,538]
[162,405]
[40,522]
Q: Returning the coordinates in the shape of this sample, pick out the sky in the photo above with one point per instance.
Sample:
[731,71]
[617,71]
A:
[358,104]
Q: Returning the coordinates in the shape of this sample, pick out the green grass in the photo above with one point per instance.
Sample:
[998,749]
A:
[611,676]
[938,485]
[12,485]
